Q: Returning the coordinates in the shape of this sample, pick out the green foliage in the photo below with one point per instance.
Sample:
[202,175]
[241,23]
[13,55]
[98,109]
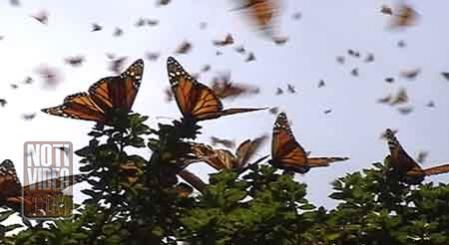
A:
[133,199]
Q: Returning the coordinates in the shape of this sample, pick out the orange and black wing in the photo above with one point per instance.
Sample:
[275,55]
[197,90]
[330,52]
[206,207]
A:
[263,13]
[195,100]
[286,152]
[400,160]
[9,183]
[441,169]
[79,106]
[323,161]
[247,149]
[120,91]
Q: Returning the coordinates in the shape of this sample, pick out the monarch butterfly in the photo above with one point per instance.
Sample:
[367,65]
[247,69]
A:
[405,16]
[11,189]
[224,159]
[196,101]
[224,88]
[289,155]
[405,165]
[262,12]
[107,94]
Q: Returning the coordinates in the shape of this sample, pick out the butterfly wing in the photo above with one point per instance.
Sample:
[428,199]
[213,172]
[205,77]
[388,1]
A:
[286,152]
[78,106]
[247,149]
[441,169]
[119,91]
[9,182]
[400,159]
[195,100]
[324,161]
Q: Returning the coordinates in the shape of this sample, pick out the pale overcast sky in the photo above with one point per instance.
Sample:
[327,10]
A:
[327,29]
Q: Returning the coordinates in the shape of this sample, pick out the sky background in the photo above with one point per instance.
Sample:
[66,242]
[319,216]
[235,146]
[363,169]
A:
[326,29]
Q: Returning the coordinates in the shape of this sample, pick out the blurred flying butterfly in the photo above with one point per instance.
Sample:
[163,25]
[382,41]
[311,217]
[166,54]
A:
[297,15]
[369,58]
[389,79]
[14,195]
[411,73]
[15,3]
[205,68]
[140,22]
[240,49]
[117,32]
[96,27]
[196,101]
[116,65]
[321,84]
[50,75]
[355,72]
[405,16]
[109,93]
[224,159]
[228,40]
[430,104]
[162,2]
[405,110]
[405,166]
[75,60]
[274,110]
[400,98]
[422,156]
[327,111]
[445,75]
[152,22]
[183,48]
[288,154]
[14,86]
[28,117]
[384,9]
[41,16]
[3,102]
[225,89]
[340,59]
[291,89]
[263,13]
[224,142]
[279,91]
[250,57]
[152,56]
[203,25]
[280,40]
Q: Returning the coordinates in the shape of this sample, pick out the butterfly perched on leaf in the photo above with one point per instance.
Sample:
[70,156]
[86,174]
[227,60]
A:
[34,197]
[407,167]
[196,101]
[224,159]
[288,154]
[104,96]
